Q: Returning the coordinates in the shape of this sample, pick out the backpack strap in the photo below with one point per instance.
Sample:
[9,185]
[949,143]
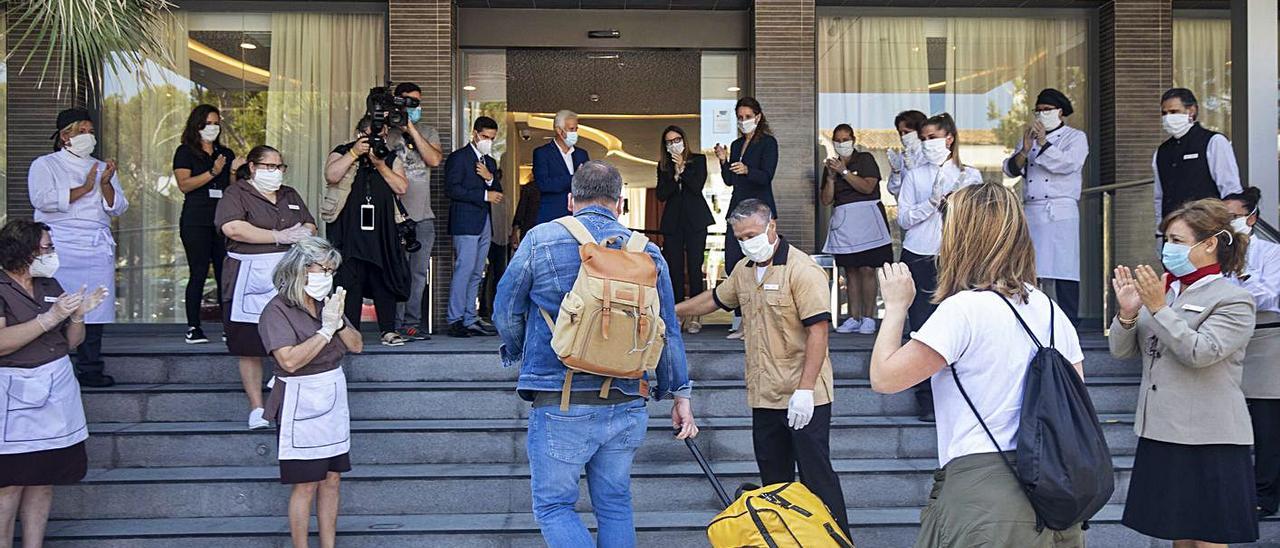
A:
[577,229]
[566,389]
[978,416]
[1023,323]
[637,242]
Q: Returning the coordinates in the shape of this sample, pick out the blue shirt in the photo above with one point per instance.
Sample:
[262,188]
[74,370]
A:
[540,274]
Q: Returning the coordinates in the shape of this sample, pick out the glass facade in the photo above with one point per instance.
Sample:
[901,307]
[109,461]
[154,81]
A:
[296,81]
[1202,63]
[4,117]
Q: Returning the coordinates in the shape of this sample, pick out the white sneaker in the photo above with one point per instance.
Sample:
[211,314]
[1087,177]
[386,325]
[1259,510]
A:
[849,326]
[868,326]
[735,336]
[256,422]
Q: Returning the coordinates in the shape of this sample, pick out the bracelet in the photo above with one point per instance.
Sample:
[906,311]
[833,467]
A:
[74,320]
[1126,322]
[352,152]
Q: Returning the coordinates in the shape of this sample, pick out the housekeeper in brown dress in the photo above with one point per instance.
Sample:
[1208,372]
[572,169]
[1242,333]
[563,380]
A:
[261,218]
[43,428]
[304,329]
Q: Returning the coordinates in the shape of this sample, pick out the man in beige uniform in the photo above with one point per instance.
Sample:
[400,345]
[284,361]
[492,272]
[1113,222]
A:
[784,296]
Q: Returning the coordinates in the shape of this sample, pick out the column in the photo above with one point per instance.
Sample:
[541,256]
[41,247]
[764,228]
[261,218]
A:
[1253,98]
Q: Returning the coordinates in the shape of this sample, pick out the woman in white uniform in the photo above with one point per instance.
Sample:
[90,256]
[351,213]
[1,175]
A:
[43,425]
[77,195]
[305,331]
[1050,159]
[1261,380]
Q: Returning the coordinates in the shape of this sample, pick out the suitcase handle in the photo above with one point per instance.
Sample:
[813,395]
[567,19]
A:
[711,475]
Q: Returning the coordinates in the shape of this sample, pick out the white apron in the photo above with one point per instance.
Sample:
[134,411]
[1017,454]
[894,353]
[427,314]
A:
[86,258]
[856,227]
[42,409]
[253,285]
[315,422]
[1261,367]
[1055,231]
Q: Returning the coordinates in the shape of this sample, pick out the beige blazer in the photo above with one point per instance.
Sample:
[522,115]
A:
[1192,355]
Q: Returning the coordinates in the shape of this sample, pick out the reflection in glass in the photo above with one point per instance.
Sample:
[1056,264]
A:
[1202,63]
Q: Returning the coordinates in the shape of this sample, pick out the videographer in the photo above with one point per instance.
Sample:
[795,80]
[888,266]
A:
[374,262]
[418,147]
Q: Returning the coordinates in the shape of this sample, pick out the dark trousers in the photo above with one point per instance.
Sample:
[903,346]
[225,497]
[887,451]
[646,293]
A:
[924,271]
[204,245]
[732,254]
[684,252]
[1067,295]
[1265,415]
[364,279]
[780,449]
[492,273]
[89,354]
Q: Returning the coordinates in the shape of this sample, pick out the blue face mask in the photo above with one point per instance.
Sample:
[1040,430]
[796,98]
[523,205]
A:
[415,114]
[1177,257]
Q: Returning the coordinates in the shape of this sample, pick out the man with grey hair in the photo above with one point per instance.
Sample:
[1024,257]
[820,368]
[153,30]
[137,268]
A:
[784,296]
[554,165]
[598,432]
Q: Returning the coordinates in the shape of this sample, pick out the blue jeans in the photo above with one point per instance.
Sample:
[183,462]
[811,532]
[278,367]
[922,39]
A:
[604,439]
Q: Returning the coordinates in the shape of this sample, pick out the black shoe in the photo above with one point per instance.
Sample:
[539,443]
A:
[195,335]
[1263,513]
[456,330]
[927,416]
[487,325]
[477,330]
[97,380]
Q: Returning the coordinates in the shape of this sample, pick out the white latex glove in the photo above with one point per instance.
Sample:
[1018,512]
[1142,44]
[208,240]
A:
[66,305]
[896,162]
[940,191]
[291,235]
[331,315]
[800,409]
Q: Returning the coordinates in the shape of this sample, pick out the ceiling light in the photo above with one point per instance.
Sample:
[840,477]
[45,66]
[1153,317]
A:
[248,45]
[468,87]
[734,89]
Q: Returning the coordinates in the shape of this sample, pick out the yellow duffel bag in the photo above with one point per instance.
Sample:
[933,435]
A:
[782,515]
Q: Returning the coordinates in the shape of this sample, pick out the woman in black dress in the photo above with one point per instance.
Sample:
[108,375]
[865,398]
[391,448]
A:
[685,217]
[202,167]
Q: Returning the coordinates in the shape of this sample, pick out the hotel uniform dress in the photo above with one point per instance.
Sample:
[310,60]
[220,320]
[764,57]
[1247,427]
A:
[859,232]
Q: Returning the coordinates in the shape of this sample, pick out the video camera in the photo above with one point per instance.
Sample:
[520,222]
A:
[386,110]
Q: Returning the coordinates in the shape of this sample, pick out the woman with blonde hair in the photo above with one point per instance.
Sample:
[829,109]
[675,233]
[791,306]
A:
[986,267]
[1193,479]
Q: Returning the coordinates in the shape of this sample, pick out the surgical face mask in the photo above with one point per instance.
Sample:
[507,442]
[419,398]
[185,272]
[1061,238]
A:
[210,132]
[415,114]
[911,141]
[1050,119]
[844,149]
[570,138]
[267,181]
[748,125]
[757,248]
[1241,225]
[44,266]
[319,285]
[484,146]
[82,145]
[1177,257]
[1176,125]
[676,148]
[936,151]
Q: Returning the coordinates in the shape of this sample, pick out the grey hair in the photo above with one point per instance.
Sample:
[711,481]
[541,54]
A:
[290,276]
[751,208]
[563,117]
[596,181]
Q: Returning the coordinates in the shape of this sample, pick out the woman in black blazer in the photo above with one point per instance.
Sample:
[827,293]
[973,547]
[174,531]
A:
[681,176]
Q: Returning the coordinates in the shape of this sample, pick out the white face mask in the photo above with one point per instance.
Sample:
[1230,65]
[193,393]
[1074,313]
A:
[210,132]
[44,266]
[570,138]
[1176,125]
[844,149]
[82,145]
[936,151]
[911,141]
[1050,119]
[1241,225]
[484,146]
[267,181]
[748,125]
[757,248]
[676,148]
[319,285]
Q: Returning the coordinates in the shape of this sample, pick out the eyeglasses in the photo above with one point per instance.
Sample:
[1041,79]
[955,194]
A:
[272,167]
[324,269]
[46,249]
[674,141]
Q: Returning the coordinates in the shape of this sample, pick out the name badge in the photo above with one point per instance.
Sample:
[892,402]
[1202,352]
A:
[1191,156]
[1193,308]
[215,193]
[771,287]
[48,299]
[295,207]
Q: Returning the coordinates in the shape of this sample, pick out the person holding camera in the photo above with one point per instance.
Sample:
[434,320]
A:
[473,181]
[365,231]
[418,147]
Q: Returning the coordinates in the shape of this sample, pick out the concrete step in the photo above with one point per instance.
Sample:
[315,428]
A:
[150,444]
[872,528]
[176,402]
[488,488]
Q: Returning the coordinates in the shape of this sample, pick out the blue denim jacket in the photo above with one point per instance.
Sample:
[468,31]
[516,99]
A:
[539,275]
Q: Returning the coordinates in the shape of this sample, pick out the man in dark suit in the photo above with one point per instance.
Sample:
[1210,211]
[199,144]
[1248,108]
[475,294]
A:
[553,166]
[473,182]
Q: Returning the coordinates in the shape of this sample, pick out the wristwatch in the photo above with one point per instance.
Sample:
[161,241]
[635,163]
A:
[845,171]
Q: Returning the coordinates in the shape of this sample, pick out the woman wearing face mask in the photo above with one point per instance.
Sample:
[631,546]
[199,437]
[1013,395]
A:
[304,329]
[685,217]
[261,217]
[202,167]
[1192,479]
[747,166]
[1261,381]
[859,232]
[908,124]
[924,190]
[77,195]
[43,442]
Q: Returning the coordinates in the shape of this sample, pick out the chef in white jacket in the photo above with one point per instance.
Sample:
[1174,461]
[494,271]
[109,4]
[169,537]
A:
[77,195]
[1050,159]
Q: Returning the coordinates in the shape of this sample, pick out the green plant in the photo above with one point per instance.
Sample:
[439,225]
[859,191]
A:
[78,37]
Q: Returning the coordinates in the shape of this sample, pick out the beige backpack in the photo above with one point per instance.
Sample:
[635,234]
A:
[609,322]
[335,196]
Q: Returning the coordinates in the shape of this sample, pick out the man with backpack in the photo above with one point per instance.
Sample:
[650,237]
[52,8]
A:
[593,340]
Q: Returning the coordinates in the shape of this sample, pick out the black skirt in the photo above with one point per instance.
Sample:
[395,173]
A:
[63,466]
[871,258]
[1192,492]
[243,339]
[308,471]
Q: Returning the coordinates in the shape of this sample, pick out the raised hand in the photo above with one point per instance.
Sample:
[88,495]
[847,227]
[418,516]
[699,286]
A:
[1126,290]
[331,315]
[896,285]
[721,152]
[218,164]
[108,173]
[1150,288]
[90,301]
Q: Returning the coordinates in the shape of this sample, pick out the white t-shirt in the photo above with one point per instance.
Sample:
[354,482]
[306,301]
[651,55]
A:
[980,337]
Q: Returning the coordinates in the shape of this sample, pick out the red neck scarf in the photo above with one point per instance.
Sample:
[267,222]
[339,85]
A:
[1191,278]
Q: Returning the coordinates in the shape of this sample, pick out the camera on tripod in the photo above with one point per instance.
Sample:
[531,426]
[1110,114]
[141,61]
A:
[385,109]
